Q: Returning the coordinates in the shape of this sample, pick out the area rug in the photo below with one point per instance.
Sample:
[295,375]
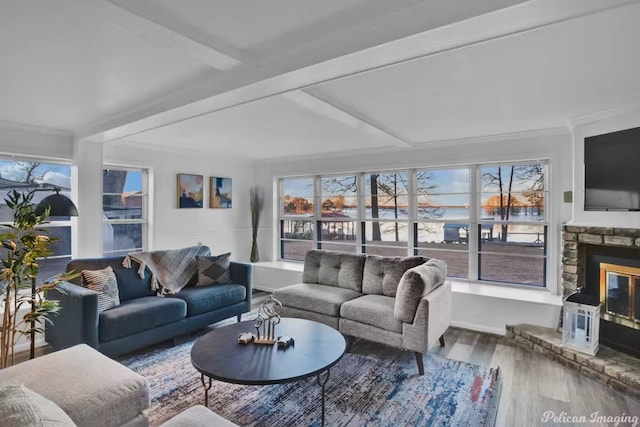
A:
[374,385]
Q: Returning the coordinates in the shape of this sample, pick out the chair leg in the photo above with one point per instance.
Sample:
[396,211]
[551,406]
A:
[239,317]
[419,362]
[442,340]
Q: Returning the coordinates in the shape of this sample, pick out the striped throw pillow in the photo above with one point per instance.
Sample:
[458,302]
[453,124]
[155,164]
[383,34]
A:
[105,284]
[214,270]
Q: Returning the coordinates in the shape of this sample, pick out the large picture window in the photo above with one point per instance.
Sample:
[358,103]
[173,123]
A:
[488,222]
[40,177]
[124,210]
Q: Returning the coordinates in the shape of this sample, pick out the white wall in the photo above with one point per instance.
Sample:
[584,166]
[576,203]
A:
[37,142]
[601,219]
[223,230]
[552,145]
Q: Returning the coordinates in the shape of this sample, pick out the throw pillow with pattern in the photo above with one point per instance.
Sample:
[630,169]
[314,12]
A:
[214,270]
[105,284]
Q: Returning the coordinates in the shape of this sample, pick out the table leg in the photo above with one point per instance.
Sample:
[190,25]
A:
[206,389]
[322,383]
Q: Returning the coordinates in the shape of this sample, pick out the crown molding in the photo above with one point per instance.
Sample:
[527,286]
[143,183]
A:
[604,114]
[22,127]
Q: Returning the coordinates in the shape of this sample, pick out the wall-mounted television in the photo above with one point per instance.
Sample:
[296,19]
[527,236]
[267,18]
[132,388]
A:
[612,171]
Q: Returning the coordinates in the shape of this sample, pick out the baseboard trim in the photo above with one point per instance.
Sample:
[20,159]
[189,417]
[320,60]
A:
[479,328]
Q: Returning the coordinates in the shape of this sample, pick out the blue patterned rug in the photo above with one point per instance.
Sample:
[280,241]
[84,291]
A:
[373,385]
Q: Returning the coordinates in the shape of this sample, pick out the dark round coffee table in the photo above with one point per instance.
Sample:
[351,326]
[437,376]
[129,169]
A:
[317,347]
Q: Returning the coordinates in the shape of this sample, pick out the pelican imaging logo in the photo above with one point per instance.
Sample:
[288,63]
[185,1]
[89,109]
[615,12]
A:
[622,420]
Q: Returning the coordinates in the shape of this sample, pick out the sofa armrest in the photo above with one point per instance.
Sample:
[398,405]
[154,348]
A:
[77,320]
[242,274]
[432,320]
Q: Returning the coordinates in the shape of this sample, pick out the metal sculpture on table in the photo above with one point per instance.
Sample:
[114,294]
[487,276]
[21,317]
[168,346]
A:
[265,323]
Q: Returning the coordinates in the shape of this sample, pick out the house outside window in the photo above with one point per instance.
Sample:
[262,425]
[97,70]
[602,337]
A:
[124,210]
[488,222]
[40,176]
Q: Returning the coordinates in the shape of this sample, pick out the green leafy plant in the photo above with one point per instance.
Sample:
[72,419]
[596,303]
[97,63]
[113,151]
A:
[23,246]
[256,204]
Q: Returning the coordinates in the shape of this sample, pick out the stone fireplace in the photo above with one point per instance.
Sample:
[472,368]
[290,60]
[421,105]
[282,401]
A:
[605,261]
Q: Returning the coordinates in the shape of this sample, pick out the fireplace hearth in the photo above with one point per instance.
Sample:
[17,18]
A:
[605,262]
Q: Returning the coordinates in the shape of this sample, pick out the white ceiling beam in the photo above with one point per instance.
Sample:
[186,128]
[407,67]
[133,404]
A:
[154,26]
[247,85]
[320,103]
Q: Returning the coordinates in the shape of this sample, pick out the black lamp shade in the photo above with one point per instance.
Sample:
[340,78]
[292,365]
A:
[59,205]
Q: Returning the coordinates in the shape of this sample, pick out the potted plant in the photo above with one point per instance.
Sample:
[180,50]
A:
[23,245]
[256,203]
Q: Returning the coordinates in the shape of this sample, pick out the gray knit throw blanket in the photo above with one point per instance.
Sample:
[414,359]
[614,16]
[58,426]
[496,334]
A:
[170,269]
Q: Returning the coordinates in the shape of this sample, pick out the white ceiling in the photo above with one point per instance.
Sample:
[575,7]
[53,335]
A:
[283,78]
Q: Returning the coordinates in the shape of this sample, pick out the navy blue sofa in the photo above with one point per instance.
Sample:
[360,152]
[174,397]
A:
[142,318]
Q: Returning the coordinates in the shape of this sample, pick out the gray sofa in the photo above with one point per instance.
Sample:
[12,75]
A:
[91,389]
[401,302]
[142,318]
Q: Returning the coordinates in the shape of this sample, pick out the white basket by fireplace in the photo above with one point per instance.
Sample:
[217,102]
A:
[581,325]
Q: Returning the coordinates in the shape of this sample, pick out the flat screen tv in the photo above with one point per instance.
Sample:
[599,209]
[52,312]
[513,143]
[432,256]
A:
[612,171]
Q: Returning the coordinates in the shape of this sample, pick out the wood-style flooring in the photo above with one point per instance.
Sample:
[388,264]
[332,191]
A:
[533,385]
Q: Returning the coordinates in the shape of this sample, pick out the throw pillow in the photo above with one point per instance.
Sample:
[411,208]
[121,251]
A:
[20,406]
[105,284]
[214,270]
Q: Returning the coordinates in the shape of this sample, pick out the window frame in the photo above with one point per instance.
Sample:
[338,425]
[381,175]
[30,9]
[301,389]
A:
[475,221]
[143,220]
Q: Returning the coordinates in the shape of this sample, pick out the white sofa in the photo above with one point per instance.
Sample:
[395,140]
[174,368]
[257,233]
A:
[95,391]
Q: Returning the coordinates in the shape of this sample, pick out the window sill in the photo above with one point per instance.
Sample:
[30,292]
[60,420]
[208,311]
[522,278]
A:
[280,265]
[537,295]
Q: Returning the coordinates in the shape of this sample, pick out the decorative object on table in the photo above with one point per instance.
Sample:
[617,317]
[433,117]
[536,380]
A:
[246,338]
[256,203]
[285,341]
[24,245]
[190,190]
[581,325]
[267,319]
[220,192]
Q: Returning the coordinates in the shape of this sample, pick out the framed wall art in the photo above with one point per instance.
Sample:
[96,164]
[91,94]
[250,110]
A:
[220,189]
[190,190]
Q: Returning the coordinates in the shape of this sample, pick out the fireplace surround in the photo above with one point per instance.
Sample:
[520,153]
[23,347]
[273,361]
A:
[605,262]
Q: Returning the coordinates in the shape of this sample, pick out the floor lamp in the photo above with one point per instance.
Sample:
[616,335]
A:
[58,205]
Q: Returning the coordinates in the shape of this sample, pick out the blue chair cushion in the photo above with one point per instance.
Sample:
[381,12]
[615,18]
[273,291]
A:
[138,315]
[203,299]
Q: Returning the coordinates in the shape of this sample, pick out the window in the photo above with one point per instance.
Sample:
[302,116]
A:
[42,178]
[488,222]
[124,210]
[443,217]
[512,201]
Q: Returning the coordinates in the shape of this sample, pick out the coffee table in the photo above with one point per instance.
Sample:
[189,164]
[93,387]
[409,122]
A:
[217,355]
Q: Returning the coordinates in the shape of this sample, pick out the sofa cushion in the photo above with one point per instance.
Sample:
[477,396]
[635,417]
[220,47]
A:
[203,299]
[334,269]
[213,269]
[313,297]
[20,406]
[382,274]
[416,283]
[130,284]
[138,315]
[374,310]
[198,416]
[105,284]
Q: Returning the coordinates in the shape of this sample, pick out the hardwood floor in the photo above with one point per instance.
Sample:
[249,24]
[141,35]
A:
[533,384]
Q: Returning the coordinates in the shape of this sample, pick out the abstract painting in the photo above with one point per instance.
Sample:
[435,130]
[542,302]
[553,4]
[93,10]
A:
[220,192]
[190,190]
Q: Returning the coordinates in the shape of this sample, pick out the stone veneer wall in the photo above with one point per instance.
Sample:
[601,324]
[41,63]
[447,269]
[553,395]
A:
[573,252]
